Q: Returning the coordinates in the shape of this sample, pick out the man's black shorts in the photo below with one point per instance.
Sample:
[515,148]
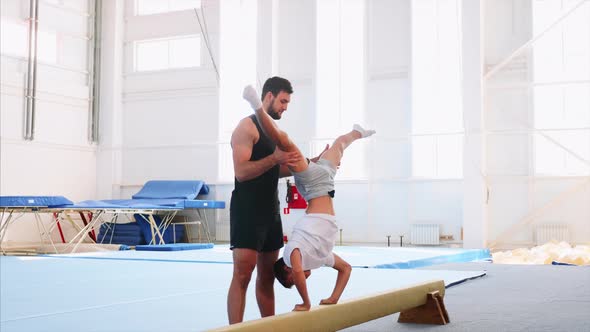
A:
[257,232]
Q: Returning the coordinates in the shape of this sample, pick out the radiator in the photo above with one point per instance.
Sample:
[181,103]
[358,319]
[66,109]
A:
[424,234]
[547,232]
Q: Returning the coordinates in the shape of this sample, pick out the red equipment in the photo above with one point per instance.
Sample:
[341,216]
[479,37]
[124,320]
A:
[294,199]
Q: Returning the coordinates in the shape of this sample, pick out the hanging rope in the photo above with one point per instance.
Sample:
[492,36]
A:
[205,34]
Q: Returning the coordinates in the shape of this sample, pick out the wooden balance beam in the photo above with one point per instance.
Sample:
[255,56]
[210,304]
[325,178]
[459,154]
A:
[421,303]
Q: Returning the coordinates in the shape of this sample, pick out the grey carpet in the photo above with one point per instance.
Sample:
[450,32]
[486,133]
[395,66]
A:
[509,298]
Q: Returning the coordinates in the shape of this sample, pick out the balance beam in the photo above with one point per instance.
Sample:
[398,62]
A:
[420,303]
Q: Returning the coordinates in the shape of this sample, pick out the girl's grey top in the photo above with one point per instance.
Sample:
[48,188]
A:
[317,180]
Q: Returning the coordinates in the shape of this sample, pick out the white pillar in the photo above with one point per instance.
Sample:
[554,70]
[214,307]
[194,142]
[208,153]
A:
[474,151]
[109,155]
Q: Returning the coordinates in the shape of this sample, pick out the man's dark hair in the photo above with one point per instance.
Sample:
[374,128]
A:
[281,273]
[275,85]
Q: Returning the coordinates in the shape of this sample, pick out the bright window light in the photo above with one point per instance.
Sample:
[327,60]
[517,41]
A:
[436,90]
[562,106]
[449,149]
[577,104]
[576,44]
[238,38]
[424,156]
[562,103]
[340,77]
[47,46]
[163,54]
[551,159]
[328,67]
[547,57]
[352,69]
[13,38]
[151,55]
[579,143]
[149,7]
[435,156]
[185,52]
[548,102]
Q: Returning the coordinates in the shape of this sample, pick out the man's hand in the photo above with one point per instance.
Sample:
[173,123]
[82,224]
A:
[315,159]
[302,307]
[289,159]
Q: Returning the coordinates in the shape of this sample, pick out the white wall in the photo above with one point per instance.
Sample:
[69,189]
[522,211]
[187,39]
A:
[170,118]
[166,125]
[59,160]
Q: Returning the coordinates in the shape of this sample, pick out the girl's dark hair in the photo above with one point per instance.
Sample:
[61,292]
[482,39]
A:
[281,273]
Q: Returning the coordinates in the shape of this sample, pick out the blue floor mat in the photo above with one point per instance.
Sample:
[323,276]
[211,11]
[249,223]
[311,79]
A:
[173,246]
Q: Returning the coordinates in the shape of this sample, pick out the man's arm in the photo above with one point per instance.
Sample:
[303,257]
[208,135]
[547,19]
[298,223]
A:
[285,172]
[242,142]
[299,281]
[344,269]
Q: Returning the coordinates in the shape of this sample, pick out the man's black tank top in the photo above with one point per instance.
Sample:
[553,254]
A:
[258,197]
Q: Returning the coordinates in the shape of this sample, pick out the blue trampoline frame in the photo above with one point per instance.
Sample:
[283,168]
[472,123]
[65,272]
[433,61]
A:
[163,198]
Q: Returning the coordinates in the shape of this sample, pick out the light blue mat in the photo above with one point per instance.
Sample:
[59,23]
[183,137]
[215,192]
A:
[377,257]
[77,294]
[173,246]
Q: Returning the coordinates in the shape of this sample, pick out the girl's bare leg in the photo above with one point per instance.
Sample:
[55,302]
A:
[336,151]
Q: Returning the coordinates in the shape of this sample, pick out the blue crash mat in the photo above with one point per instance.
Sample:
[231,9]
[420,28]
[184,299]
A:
[34,201]
[172,189]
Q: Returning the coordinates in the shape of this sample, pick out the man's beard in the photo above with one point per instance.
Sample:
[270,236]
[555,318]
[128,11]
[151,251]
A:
[271,111]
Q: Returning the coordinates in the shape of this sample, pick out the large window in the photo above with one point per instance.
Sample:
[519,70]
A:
[149,7]
[437,118]
[169,53]
[238,40]
[561,89]
[45,57]
[47,46]
[13,38]
[340,77]
[14,41]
